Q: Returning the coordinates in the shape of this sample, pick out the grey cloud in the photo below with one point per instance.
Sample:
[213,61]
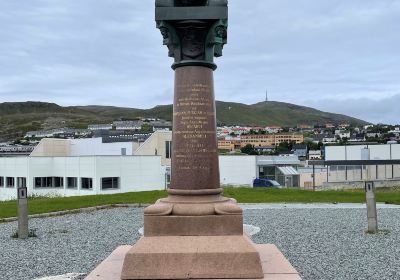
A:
[109,52]
[385,110]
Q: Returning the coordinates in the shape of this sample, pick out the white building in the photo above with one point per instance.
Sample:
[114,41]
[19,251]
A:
[100,126]
[342,133]
[314,154]
[352,176]
[128,125]
[80,175]
[44,133]
[373,134]
[395,131]
[273,129]
[68,167]
[353,152]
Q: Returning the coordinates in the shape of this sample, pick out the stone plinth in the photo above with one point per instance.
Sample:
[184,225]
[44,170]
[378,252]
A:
[192,257]
[274,265]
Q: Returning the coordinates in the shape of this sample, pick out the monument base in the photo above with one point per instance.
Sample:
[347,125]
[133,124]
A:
[274,265]
[192,257]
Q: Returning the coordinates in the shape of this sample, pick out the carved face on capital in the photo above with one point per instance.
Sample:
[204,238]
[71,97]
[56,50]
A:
[164,32]
[220,32]
[192,42]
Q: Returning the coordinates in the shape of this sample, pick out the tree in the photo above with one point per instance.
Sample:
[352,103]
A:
[146,128]
[312,146]
[285,146]
[248,149]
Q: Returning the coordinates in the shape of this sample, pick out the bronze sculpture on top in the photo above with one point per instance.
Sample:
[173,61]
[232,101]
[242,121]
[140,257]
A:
[195,232]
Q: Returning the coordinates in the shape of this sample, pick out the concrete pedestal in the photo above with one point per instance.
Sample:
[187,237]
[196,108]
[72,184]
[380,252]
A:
[275,266]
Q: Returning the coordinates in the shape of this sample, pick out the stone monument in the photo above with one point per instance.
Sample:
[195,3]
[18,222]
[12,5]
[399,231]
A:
[195,232]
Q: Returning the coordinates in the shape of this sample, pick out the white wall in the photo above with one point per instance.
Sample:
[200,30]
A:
[136,173]
[94,146]
[350,152]
[237,170]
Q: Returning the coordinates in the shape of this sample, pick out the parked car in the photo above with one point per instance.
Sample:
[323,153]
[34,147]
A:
[266,183]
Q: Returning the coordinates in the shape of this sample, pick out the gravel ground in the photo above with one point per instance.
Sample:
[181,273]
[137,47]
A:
[320,243]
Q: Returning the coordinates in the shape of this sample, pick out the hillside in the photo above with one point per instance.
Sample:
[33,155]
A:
[16,118]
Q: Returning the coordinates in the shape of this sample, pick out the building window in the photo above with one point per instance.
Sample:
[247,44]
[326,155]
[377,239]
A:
[1,181]
[10,182]
[109,183]
[58,182]
[72,182]
[21,182]
[48,182]
[168,149]
[87,183]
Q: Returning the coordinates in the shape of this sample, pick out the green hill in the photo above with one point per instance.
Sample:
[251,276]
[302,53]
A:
[263,113]
[16,118]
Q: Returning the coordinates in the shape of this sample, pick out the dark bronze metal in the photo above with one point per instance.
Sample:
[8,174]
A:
[194,31]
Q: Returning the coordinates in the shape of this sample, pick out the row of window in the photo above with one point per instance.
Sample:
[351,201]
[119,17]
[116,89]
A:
[9,182]
[58,182]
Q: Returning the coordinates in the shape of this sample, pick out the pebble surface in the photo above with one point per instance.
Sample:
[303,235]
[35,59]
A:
[321,243]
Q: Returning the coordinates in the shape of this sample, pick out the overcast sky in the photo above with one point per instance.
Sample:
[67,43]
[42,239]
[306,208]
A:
[335,55]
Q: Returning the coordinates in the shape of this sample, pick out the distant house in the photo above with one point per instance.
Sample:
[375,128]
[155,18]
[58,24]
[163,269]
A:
[325,138]
[110,136]
[270,139]
[128,125]
[342,133]
[373,134]
[368,126]
[264,149]
[229,144]
[273,129]
[395,131]
[59,132]
[314,154]
[240,130]
[300,150]
[343,125]
[305,127]
[100,126]
[6,150]
[356,138]
[161,125]
[225,145]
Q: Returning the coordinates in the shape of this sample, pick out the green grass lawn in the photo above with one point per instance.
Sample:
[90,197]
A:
[243,195]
